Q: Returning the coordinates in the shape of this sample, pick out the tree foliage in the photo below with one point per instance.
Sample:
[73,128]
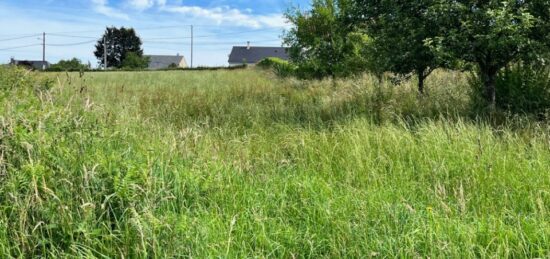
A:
[119,42]
[490,34]
[69,65]
[399,30]
[279,66]
[323,41]
[134,61]
[522,89]
[344,37]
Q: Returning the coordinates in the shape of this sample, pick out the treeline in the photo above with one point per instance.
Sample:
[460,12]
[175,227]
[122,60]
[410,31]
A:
[495,39]
[76,65]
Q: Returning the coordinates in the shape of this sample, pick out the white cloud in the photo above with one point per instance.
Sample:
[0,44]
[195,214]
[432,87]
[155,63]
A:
[230,16]
[102,7]
[219,15]
[145,4]
[141,4]
[161,2]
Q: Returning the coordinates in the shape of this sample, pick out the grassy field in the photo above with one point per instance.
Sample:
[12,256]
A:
[243,164]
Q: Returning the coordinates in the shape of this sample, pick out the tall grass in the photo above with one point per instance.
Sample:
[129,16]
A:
[242,164]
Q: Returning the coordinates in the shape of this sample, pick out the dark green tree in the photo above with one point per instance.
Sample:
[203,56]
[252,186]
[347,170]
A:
[491,34]
[540,47]
[399,31]
[119,43]
[323,41]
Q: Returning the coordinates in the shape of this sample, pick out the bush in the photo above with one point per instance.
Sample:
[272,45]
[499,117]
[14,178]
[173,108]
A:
[135,61]
[521,89]
[281,67]
[69,65]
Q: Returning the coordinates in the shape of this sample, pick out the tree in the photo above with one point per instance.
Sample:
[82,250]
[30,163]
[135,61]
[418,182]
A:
[399,30]
[69,65]
[540,49]
[490,34]
[134,61]
[119,43]
[323,41]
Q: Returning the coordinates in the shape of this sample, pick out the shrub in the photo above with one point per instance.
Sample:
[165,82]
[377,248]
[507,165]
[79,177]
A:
[281,67]
[12,77]
[521,89]
[135,61]
[68,65]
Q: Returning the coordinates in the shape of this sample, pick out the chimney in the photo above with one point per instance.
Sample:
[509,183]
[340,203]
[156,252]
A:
[248,45]
[177,55]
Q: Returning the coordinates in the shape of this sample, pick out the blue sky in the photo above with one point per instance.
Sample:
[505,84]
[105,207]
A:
[73,25]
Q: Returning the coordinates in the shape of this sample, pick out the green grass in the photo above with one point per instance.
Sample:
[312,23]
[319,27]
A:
[242,164]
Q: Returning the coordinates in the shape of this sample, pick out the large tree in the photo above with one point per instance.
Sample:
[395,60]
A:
[399,31]
[119,42]
[323,41]
[491,34]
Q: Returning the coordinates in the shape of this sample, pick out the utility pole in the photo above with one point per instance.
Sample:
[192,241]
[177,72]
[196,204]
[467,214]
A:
[192,41]
[105,52]
[44,51]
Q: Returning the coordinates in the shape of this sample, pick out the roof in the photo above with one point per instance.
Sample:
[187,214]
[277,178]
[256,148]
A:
[243,54]
[164,61]
[36,64]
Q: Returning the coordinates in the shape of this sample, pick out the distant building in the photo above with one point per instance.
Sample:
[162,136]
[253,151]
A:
[31,64]
[252,55]
[163,62]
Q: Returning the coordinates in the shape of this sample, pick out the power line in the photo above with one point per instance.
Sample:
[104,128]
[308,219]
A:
[71,36]
[21,47]
[211,35]
[62,32]
[19,38]
[127,27]
[207,43]
[161,48]
[225,26]
[152,42]
[44,51]
[169,38]
[142,29]
[71,44]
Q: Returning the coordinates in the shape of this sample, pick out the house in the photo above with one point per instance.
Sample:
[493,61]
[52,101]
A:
[31,64]
[252,55]
[163,61]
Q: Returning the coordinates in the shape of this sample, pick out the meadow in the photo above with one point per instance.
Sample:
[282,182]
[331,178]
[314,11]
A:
[244,164]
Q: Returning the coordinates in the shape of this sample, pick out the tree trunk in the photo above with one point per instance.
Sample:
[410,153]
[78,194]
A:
[422,74]
[489,82]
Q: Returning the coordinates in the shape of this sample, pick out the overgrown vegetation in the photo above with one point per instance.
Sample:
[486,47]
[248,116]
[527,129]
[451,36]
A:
[72,65]
[522,89]
[281,67]
[243,164]
[134,61]
[339,38]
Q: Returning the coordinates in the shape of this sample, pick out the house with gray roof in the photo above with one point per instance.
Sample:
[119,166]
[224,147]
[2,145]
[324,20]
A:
[31,64]
[252,55]
[165,61]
